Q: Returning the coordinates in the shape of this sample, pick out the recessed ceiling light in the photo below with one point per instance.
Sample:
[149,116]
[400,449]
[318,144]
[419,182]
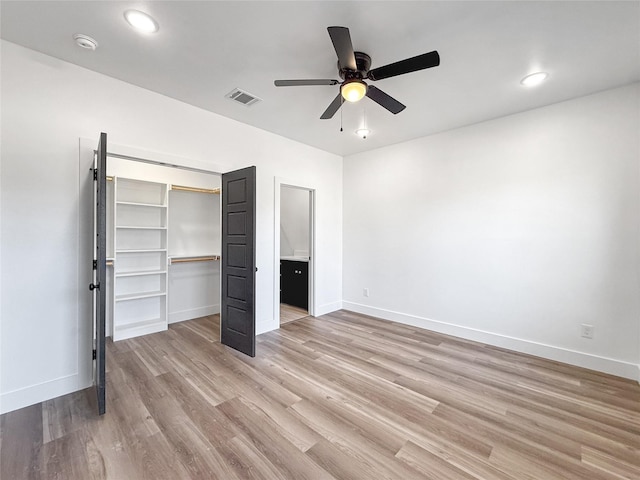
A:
[363,132]
[141,21]
[85,41]
[534,79]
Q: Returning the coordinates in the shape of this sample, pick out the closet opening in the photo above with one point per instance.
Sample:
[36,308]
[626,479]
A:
[295,252]
[164,243]
[163,246]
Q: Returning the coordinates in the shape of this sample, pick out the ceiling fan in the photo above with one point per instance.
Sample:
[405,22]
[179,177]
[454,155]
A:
[353,68]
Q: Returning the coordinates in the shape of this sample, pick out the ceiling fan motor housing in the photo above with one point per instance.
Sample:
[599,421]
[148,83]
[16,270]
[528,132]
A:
[363,64]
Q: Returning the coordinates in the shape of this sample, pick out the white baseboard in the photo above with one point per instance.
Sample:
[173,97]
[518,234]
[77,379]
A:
[41,392]
[192,313]
[328,308]
[572,357]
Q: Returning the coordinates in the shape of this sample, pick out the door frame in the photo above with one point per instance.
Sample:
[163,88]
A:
[278,183]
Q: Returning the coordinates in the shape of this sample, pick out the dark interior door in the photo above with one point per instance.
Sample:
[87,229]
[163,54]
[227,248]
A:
[237,316]
[99,285]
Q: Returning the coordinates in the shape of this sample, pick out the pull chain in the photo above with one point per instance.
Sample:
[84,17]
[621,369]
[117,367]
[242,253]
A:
[341,102]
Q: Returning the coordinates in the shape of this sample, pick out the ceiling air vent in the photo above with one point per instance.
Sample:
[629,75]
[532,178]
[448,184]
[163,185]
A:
[242,97]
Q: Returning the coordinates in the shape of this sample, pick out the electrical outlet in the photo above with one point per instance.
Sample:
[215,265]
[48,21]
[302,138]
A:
[586,331]
[365,292]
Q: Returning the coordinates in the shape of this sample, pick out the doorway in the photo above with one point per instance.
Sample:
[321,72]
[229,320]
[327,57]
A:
[294,251]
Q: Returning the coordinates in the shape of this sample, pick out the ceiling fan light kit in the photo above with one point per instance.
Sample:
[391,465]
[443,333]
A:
[353,90]
[354,69]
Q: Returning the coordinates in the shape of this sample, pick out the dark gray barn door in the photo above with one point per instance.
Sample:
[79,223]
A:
[237,316]
[98,287]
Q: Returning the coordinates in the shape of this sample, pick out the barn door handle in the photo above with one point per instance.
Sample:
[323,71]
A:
[92,286]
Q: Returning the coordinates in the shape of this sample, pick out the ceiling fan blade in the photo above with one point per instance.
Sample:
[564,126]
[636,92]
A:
[332,108]
[384,100]
[297,83]
[413,64]
[344,49]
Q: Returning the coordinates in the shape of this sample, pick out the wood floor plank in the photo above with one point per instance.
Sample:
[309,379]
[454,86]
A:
[110,446]
[439,389]
[583,435]
[250,462]
[432,465]
[214,426]
[351,440]
[271,444]
[558,411]
[610,464]
[343,396]
[554,451]
[354,355]
[282,422]
[340,464]
[22,439]
[64,415]
[290,313]
[460,459]
[382,427]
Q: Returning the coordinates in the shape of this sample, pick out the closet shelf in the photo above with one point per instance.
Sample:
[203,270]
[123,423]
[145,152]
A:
[136,296]
[150,205]
[143,327]
[141,250]
[140,273]
[133,227]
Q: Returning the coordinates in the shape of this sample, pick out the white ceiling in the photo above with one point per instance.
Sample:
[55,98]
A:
[205,49]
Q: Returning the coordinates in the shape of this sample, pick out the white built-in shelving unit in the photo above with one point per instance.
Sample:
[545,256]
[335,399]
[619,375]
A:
[140,241]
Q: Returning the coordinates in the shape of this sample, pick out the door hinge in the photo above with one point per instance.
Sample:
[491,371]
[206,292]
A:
[95,264]
[95,354]
[95,174]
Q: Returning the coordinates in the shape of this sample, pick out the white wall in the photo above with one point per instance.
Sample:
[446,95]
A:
[47,105]
[513,232]
[294,220]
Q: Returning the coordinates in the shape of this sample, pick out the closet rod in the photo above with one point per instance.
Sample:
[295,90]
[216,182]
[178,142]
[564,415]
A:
[195,259]
[156,162]
[195,189]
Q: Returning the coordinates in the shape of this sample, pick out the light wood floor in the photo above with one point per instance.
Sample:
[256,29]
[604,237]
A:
[342,396]
[289,313]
